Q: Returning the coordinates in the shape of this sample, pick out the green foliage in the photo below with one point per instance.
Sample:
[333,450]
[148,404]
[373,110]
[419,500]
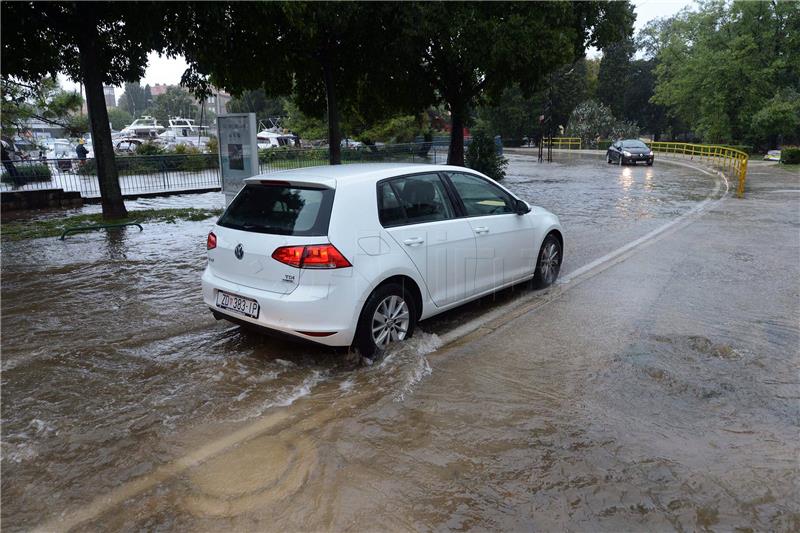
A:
[213,144]
[175,102]
[152,164]
[482,156]
[614,75]
[135,99]
[717,67]
[398,129]
[119,118]
[790,155]
[257,102]
[27,173]
[149,148]
[593,121]
[779,120]
[307,127]
[77,125]
[43,99]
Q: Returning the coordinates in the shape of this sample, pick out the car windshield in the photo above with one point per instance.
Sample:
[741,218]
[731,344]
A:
[279,209]
[633,144]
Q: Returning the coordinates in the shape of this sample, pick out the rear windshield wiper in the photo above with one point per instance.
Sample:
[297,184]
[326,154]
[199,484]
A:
[265,229]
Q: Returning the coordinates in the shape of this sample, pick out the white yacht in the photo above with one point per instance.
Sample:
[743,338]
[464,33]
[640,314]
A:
[146,126]
[272,139]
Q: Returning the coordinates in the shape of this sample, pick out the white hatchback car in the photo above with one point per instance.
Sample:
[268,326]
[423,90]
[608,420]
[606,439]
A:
[358,254]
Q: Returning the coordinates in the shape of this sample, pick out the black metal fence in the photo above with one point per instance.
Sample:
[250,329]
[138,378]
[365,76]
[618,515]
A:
[186,172]
[138,174]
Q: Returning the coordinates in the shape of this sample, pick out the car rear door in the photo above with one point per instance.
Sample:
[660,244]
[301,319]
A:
[418,212]
[505,243]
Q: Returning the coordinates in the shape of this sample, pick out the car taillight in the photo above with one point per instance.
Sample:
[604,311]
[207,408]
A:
[211,242]
[311,256]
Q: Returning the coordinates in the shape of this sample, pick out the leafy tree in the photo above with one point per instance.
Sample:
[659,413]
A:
[332,56]
[512,116]
[718,66]
[43,100]
[778,122]
[593,121]
[257,102]
[303,125]
[473,51]
[397,129]
[174,102]
[94,43]
[613,78]
[134,99]
[119,118]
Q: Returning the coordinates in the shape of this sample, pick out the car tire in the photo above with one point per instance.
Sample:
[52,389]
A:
[393,304]
[649,163]
[548,263]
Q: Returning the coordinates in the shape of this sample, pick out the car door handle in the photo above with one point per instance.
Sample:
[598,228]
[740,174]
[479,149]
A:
[414,241]
[481,229]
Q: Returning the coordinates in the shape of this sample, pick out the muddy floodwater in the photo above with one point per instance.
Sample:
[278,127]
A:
[655,390]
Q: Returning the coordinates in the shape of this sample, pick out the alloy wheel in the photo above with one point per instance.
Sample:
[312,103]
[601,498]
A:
[549,264]
[390,321]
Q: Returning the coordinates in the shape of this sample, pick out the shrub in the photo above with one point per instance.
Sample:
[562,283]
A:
[482,156]
[27,173]
[213,144]
[790,155]
[149,148]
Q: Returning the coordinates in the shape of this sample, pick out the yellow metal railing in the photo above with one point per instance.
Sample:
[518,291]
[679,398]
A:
[564,142]
[729,160]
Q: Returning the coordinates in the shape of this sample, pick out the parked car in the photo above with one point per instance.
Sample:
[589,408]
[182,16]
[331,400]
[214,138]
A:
[773,155]
[128,145]
[358,254]
[629,151]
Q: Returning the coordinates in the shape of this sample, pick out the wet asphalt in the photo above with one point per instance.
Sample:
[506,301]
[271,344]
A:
[657,390]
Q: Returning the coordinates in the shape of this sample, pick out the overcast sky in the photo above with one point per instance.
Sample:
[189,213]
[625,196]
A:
[169,70]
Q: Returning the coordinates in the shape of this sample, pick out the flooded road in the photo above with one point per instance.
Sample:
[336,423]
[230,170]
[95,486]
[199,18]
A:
[656,394]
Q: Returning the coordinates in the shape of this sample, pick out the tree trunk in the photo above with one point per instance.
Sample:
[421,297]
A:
[108,177]
[334,133]
[455,154]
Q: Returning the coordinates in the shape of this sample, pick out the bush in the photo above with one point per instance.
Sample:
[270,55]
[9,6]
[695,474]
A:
[213,144]
[27,173]
[790,155]
[592,121]
[482,156]
[149,148]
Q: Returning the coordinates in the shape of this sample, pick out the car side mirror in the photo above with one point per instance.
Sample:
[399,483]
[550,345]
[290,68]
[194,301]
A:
[521,207]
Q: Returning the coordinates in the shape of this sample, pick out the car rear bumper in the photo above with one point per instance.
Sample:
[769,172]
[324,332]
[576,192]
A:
[323,315]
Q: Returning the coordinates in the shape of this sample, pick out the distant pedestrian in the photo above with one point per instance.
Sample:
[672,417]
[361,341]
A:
[81,150]
[6,154]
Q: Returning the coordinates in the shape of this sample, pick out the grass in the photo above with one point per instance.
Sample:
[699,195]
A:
[53,227]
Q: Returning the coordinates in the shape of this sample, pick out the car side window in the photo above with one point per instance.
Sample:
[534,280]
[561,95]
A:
[481,197]
[390,212]
[413,199]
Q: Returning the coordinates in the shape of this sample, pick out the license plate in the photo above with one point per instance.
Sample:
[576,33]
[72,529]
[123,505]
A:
[238,304]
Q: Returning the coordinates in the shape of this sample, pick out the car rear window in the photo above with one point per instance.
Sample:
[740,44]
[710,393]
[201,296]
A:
[280,210]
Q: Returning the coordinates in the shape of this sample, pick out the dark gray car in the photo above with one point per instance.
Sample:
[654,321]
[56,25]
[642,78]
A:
[629,151]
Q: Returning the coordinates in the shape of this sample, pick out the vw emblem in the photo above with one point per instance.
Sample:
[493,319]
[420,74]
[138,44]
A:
[238,251]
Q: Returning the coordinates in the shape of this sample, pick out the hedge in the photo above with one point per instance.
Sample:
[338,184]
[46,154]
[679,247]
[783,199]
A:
[151,164]
[790,155]
[27,173]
